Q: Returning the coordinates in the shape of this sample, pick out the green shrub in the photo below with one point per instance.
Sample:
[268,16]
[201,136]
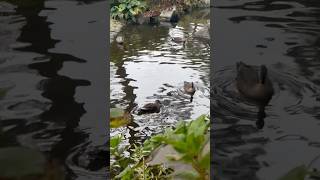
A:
[188,139]
[127,9]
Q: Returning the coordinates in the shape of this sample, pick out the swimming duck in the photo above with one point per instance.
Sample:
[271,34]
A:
[150,108]
[253,84]
[189,89]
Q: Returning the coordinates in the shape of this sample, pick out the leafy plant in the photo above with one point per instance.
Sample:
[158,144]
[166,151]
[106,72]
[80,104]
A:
[127,9]
[160,5]
[134,167]
[193,3]
[188,139]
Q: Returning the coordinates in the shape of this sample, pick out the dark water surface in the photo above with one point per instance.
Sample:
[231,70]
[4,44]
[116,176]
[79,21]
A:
[151,66]
[48,101]
[285,36]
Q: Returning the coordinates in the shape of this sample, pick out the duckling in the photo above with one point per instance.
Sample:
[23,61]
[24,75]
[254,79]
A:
[119,40]
[189,89]
[252,85]
[150,108]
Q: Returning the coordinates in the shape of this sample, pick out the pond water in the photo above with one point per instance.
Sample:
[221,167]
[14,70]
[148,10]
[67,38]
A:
[283,35]
[47,101]
[150,66]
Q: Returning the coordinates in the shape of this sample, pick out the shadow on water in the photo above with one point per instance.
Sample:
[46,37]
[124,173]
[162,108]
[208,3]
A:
[283,35]
[40,109]
[150,66]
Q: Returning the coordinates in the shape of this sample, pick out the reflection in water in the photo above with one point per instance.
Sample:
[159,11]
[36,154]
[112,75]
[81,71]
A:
[284,36]
[40,109]
[152,64]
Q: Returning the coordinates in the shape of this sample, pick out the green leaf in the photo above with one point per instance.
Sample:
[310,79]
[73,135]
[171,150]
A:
[121,7]
[298,173]
[115,141]
[136,11]
[198,126]
[132,12]
[181,128]
[180,146]
[126,174]
[205,161]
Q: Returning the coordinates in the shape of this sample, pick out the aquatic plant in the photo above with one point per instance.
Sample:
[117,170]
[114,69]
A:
[127,9]
[188,139]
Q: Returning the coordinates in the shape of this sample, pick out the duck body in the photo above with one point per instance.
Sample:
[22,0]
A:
[254,85]
[150,108]
[189,88]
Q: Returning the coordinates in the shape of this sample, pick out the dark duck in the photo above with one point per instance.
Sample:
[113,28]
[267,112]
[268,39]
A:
[189,89]
[255,85]
[150,108]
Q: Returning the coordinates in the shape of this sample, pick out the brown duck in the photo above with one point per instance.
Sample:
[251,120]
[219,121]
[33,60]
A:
[189,89]
[254,84]
[150,108]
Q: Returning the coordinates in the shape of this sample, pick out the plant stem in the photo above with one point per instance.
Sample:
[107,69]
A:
[201,172]
[144,171]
